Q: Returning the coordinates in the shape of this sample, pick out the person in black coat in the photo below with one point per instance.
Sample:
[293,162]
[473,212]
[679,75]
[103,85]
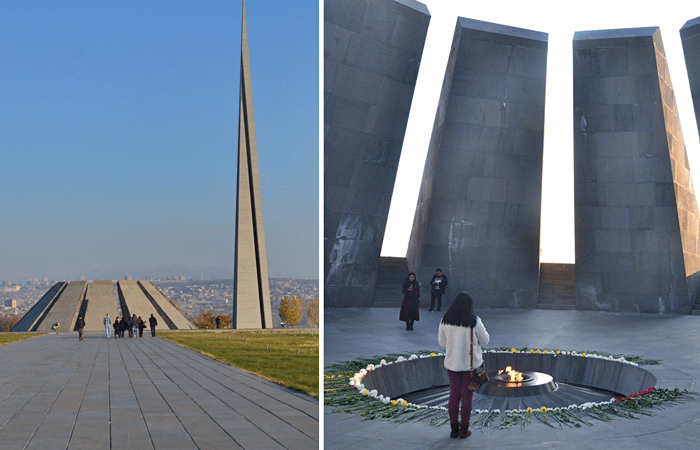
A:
[437,287]
[125,325]
[152,322]
[117,327]
[81,325]
[409,307]
[141,325]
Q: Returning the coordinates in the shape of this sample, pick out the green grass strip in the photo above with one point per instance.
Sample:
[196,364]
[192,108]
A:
[285,358]
[7,338]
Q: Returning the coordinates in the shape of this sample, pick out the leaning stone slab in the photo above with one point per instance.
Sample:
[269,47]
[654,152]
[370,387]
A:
[478,213]
[636,215]
[372,51]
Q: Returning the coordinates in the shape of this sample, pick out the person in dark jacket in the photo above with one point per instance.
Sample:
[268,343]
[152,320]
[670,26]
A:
[152,322]
[437,287]
[81,325]
[134,325]
[117,327]
[142,325]
[125,325]
[409,307]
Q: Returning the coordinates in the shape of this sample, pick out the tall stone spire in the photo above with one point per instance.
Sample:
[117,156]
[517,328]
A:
[251,289]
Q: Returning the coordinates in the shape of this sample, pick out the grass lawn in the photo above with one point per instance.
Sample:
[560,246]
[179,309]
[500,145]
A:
[285,358]
[6,338]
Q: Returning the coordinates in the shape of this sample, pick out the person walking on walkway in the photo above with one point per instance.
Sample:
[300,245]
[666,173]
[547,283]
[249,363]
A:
[409,307]
[437,287]
[126,325]
[142,325]
[107,321]
[117,328]
[462,335]
[81,325]
[152,322]
[134,325]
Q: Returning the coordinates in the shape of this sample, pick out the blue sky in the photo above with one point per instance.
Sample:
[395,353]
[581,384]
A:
[119,126]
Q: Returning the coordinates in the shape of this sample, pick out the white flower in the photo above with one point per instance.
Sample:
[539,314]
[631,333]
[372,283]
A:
[401,359]
[385,400]
[363,372]
[382,362]
[412,357]
[370,367]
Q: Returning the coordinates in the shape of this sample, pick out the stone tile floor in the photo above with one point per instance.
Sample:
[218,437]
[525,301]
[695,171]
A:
[59,393]
[672,339]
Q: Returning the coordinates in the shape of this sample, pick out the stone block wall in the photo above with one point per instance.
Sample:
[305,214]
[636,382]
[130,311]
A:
[635,209]
[372,51]
[478,213]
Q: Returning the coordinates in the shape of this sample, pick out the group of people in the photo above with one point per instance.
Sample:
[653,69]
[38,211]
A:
[131,325]
[462,334]
[411,297]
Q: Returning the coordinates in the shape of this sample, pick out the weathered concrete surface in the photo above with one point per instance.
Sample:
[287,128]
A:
[166,309]
[65,309]
[251,286]
[635,209]
[478,214]
[134,301]
[101,300]
[372,50]
[31,319]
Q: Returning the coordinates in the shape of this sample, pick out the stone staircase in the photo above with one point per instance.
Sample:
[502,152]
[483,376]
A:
[557,286]
[391,274]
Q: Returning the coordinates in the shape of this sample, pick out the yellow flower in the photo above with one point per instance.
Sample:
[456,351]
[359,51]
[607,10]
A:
[529,410]
[532,351]
[543,409]
[404,403]
[583,354]
[538,351]
[433,354]
[558,352]
[545,352]
[393,403]
[513,350]
[365,391]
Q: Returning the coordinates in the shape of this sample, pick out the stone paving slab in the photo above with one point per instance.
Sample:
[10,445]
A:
[366,332]
[147,393]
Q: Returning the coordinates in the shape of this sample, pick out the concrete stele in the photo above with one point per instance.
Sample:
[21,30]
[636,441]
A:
[251,291]
[635,210]
[478,213]
[372,51]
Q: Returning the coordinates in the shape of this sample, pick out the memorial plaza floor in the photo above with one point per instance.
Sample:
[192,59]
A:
[60,393]
[673,339]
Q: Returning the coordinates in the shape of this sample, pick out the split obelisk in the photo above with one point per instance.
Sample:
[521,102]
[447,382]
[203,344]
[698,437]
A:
[251,288]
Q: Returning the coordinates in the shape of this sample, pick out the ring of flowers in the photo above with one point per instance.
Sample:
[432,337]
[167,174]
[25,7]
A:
[572,415]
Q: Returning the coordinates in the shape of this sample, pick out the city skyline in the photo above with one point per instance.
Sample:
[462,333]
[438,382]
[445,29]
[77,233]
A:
[119,130]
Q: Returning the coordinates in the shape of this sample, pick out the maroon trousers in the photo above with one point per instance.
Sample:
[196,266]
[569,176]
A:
[459,393]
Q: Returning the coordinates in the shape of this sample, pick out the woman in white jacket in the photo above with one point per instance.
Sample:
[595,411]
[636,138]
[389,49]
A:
[460,327]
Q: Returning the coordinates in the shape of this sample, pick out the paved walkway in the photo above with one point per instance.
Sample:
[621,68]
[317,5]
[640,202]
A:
[148,393]
[352,333]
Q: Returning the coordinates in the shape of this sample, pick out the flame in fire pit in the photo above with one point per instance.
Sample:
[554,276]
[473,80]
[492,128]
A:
[515,376]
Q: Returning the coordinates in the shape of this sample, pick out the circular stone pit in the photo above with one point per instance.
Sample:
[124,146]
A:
[577,380]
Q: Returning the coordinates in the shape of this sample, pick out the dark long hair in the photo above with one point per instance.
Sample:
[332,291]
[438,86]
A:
[408,281]
[461,312]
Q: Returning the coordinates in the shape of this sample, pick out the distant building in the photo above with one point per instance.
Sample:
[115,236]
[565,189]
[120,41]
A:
[10,303]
